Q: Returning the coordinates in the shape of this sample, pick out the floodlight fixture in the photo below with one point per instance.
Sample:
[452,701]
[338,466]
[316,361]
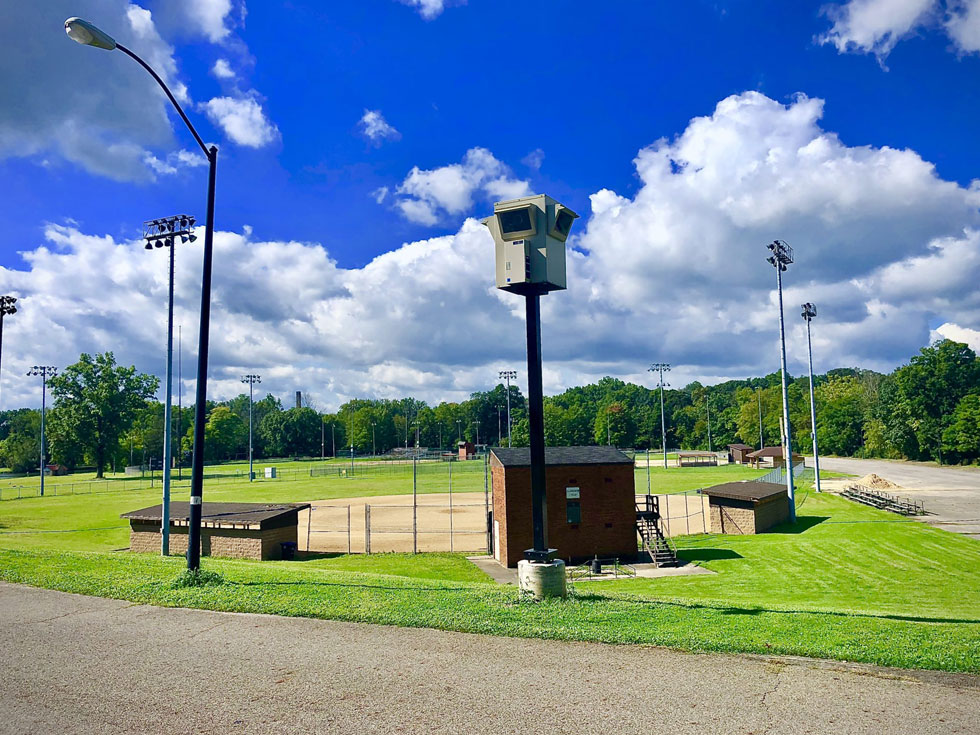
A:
[7,308]
[83,32]
[508,375]
[251,380]
[782,256]
[809,312]
[46,372]
[160,233]
[661,367]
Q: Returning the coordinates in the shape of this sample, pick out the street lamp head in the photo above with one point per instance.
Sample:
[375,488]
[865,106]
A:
[83,32]
[809,311]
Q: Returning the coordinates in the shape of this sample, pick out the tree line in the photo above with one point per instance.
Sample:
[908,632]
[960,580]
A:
[104,416]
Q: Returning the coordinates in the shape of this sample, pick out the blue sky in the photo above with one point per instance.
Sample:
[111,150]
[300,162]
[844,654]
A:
[349,129]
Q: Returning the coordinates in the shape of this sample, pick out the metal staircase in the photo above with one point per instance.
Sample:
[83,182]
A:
[655,543]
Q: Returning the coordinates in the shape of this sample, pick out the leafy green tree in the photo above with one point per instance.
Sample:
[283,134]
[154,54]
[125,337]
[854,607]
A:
[96,400]
[293,433]
[21,449]
[961,439]
[928,391]
[840,416]
[225,434]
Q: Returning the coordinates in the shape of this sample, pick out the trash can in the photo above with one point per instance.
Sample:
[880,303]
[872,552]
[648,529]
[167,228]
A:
[288,550]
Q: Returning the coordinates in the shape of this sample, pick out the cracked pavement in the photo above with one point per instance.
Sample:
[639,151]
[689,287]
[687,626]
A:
[78,665]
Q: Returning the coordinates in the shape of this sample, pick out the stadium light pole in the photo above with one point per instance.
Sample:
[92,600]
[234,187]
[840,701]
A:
[508,375]
[374,445]
[6,308]
[809,312]
[45,371]
[477,432]
[459,430]
[85,33]
[251,380]
[707,410]
[758,395]
[661,367]
[159,233]
[323,439]
[782,256]
[500,436]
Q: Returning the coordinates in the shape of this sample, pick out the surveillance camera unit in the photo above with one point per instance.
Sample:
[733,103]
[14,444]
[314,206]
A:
[529,234]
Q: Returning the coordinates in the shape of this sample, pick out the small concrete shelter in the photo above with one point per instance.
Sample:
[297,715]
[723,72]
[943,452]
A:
[235,530]
[746,507]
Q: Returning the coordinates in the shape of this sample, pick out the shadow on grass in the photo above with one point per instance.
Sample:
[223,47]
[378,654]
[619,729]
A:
[407,588]
[802,525]
[753,611]
[317,555]
[707,554]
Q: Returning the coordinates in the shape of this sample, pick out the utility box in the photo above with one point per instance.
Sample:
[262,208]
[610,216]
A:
[529,234]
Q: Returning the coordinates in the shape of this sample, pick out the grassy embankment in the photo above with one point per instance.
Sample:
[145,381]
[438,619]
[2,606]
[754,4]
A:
[847,582]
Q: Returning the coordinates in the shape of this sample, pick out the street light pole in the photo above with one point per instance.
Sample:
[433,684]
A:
[508,375]
[45,371]
[661,367]
[809,312]
[782,256]
[6,307]
[85,33]
[251,380]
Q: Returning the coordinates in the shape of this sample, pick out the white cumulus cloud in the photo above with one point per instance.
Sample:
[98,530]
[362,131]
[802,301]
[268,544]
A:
[426,196]
[376,129]
[222,70]
[98,110]
[875,26]
[885,248]
[243,120]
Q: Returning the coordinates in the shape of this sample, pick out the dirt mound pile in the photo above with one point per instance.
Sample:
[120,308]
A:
[876,482]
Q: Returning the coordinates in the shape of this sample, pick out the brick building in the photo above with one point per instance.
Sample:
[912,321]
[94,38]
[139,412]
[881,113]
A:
[590,499]
[746,507]
[466,450]
[237,530]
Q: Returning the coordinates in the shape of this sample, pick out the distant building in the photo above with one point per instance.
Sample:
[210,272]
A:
[771,457]
[590,497]
[739,453]
[466,450]
[697,459]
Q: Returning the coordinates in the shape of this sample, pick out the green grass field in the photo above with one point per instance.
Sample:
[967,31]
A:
[847,582]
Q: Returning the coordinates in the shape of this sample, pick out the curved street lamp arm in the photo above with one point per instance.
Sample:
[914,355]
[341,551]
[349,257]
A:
[173,100]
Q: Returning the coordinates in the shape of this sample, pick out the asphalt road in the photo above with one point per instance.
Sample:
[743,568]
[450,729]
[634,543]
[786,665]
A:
[77,665]
[951,495]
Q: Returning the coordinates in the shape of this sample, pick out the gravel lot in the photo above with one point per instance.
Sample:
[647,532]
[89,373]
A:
[951,494]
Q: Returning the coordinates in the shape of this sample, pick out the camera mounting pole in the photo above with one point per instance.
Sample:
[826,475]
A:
[529,237]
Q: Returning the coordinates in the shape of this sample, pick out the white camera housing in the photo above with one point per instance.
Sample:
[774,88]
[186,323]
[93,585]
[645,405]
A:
[529,236]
